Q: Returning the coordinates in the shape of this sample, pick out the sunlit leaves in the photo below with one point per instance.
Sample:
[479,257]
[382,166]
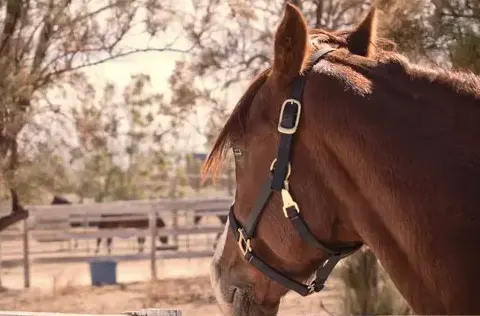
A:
[129,124]
[442,32]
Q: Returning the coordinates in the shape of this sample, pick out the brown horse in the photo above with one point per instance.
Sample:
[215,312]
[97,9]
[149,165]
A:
[386,154]
[223,220]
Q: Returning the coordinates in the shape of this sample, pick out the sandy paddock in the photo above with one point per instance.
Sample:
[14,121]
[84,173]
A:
[182,284]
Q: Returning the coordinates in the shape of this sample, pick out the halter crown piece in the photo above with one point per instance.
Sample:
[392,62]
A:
[280,171]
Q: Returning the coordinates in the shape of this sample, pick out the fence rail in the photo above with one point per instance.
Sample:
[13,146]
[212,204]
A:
[127,233]
[143,312]
[132,207]
[123,257]
[53,223]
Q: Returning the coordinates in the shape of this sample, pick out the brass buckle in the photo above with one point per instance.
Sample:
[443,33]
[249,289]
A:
[311,287]
[289,168]
[288,202]
[243,243]
[293,129]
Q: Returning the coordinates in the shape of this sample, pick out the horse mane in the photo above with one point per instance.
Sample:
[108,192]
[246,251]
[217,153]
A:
[390,66]
[233,127]
[385,63]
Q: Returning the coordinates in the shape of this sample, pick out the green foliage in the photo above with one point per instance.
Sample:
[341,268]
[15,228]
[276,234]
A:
[465,52]
[115,151]
[442,32]
[367,288]
[45,172]
[119,147]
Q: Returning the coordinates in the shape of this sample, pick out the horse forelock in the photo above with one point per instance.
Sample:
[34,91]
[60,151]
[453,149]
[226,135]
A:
[233,128]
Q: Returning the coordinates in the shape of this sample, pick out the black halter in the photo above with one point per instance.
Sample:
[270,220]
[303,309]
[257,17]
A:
[280,170]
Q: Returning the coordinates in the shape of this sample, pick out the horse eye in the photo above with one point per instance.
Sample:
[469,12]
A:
[237,152]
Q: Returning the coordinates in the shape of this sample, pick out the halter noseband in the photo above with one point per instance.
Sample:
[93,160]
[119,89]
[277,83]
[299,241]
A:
[280,170]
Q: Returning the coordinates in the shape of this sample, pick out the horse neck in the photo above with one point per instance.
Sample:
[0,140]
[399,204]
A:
[406,165]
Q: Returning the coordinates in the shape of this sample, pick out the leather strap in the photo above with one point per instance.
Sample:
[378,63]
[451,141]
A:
[255,215]
[287,122]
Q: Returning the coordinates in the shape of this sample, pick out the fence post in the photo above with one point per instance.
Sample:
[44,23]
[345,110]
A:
[173,194]
[26,260]
[153,249]
[85,227]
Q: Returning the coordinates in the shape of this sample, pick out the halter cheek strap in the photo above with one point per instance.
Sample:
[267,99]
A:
[280,170]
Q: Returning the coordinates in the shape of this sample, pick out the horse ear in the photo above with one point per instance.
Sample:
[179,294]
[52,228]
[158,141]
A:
[290,46]
[362,40]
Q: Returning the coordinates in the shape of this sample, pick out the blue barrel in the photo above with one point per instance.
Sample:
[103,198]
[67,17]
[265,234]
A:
[103,272]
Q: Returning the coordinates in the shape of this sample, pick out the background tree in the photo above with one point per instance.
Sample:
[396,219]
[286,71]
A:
[367,289]
[440,32]
[121,143]
[44,45]
[117,148]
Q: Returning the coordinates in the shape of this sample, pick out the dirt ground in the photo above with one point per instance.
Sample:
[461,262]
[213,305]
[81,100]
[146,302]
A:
[183,284]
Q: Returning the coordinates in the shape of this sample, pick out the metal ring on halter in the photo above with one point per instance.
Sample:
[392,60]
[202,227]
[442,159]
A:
[272,167]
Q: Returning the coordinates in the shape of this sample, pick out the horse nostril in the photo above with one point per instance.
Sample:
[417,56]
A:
[232,297]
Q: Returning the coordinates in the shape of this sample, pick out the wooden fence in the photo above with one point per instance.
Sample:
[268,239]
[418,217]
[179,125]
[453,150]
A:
[143,312]
[52,223]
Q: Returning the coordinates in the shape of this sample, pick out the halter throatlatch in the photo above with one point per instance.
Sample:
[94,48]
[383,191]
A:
[280,170]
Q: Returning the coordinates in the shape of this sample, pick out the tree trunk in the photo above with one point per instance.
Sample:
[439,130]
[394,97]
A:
[319,15]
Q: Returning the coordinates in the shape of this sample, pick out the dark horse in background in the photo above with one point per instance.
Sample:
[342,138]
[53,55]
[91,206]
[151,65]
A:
[114,222]
[222,218]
